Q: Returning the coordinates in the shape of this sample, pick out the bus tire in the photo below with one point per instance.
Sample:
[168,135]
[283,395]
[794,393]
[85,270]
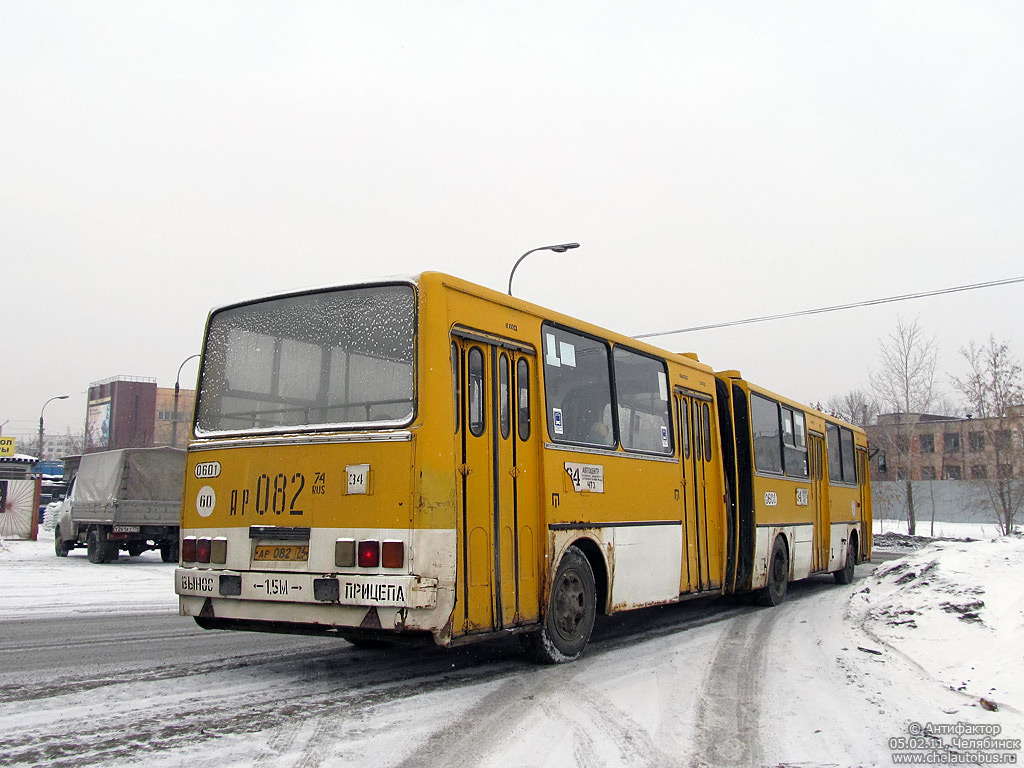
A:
[569,619]
[845,574]
[60,547]
[778,575]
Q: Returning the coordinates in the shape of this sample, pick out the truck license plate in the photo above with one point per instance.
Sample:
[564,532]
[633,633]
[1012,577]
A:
[126,529]
[282,552]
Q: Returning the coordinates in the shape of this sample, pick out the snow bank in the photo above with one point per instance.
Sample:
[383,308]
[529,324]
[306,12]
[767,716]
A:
[956,609]
[938,530]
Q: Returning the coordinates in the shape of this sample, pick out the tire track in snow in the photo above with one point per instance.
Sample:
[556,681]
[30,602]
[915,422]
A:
[495,721]
[491,720]
[319,742]
[601,733]
[314,736]
[596,719]
[726,732]
[196,709]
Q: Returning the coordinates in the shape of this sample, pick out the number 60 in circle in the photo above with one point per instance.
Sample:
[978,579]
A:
[206,500]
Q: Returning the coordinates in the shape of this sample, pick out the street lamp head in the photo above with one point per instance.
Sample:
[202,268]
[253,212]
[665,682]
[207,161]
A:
[563,247]
[560,248]
[55,397]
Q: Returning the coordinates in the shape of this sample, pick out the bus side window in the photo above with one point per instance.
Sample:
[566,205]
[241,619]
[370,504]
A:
[504,414]
[641,394]
[523,403]
[684,425]
[848,452]
[476,391]
[764,424]
[835,461]
[706,411]
[578,392]
[697,448]
[794,442]
[456,384]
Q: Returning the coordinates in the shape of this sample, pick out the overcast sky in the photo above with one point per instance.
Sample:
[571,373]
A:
[716,161]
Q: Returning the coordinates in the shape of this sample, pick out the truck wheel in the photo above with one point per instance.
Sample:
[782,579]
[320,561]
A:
[97,550]
[60,547]
[570,615]
[169,552]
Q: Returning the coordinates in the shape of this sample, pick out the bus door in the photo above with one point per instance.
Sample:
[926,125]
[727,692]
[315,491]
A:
[863,467]
[498,468]
[819,502]
[694,420]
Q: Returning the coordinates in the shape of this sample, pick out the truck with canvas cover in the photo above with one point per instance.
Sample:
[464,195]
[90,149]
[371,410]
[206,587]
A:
[128,499]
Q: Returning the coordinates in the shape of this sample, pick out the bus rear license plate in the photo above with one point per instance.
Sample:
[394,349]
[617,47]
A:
[281,553]
[126,529]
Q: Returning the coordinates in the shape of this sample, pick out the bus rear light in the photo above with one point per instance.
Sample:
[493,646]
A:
[203,547]
[219,551]
[369,553]
[392,554]
[188,549]
[345,553]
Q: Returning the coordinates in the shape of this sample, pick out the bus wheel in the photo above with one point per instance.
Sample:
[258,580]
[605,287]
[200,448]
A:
[778,575]
[845,574]
[569,619]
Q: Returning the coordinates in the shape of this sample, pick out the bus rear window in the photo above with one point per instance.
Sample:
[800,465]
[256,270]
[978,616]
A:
[334,359]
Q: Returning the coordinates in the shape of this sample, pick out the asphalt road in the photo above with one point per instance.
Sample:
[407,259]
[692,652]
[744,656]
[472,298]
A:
[60,649]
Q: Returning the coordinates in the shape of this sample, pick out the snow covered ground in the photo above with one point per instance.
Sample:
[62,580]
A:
[836,676]
[35,583]
[939,529]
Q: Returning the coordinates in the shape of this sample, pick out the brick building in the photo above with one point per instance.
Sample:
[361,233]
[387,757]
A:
[929,447]
[133,412]
[166,416]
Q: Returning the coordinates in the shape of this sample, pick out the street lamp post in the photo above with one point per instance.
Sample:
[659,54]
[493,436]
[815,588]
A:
[58,397]
[174,414]
[562,248]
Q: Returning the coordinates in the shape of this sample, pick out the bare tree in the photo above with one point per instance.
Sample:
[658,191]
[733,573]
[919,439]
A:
[904,387]
[994,391]
[856,407]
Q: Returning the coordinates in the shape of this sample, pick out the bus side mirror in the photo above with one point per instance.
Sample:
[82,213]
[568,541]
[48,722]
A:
[882,467]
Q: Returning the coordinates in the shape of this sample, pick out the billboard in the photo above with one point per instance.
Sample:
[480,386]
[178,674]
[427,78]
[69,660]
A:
[97,425]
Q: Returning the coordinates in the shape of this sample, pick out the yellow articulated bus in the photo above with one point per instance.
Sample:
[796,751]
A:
[426,457]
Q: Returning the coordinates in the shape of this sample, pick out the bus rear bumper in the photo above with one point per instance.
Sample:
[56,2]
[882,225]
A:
[324,618]
[323,603]
[319,589]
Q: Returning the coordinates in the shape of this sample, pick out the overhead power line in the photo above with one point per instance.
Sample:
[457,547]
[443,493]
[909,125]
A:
[820,310]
